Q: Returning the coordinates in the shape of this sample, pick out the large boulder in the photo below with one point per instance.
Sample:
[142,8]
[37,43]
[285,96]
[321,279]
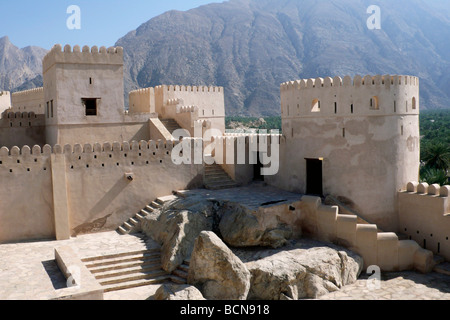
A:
[240,228]
[214,269]
[177,292]
[176,226]
[303,269]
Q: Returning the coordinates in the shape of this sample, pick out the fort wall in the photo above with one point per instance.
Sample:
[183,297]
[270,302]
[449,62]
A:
[5,100]
[28,101]
[99,194]
[22,128]
[424,216]
[382,249]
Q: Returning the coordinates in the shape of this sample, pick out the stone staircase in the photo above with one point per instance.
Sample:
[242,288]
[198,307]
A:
[132,224]
[180,275]
[127,270]
[171,125]
[215,178]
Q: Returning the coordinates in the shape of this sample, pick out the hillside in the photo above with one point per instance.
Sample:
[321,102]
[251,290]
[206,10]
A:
[251,46]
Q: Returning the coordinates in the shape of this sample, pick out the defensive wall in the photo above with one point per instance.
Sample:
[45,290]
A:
[64,191]
[5,100]
[28,101]
[424,216]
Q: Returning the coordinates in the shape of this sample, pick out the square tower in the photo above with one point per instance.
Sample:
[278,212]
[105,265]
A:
[83,94]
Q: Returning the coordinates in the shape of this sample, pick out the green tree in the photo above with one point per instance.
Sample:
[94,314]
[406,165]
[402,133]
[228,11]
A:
[437,155]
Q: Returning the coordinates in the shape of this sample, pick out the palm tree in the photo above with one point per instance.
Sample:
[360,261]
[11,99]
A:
[437,156]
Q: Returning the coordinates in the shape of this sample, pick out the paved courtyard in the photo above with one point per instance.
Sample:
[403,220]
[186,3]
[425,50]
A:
[28,270]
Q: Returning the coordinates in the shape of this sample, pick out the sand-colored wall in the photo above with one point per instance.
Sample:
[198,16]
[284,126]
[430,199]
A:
[22,128]
[368,155]
[28,101]
[424,216]
[382,249]
[93,193]
[26,208]
[5,100]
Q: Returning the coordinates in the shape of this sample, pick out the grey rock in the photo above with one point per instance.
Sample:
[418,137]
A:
[218,273]
[177,292]
[303,269]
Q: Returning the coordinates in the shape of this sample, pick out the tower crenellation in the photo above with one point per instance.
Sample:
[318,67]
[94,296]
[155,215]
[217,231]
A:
[366,96]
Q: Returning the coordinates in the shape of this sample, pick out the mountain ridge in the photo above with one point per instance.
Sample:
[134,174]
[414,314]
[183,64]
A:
[250,47]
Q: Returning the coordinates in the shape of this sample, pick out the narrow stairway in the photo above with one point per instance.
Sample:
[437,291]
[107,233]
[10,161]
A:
[216,178]
[127,270]
[171,125]
[180,275]
[132,224]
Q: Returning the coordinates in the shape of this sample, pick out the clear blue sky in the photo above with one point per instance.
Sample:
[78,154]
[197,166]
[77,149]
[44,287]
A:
[43,22]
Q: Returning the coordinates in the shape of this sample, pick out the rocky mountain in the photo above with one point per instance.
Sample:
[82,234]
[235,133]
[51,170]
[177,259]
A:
[20,69]
[251,46]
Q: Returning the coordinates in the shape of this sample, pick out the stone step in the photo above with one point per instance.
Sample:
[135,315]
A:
[120,261]
[180,273]
[133,264]
[180,193]
[184,267]
[136,283]
[123,254]
[443,268]
[127,226]
[178,280]
[155,205]
[122,230]
[220,186]
[133,222]
[437,259]
[139,216]
[129,271]
[146,211]
[147,275]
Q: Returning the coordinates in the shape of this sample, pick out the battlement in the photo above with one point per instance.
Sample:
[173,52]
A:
[4,93]
[364,96]
[94,155]
[187,109]
[347,81]
[28,93]
[433,190]
[85,55]
[196,89]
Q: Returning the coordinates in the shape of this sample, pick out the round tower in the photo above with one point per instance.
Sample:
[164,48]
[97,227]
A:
[356,140]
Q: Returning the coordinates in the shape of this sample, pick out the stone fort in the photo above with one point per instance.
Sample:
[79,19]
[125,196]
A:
[74,160]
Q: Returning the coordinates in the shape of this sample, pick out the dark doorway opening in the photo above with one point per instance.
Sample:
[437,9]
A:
[257,175]
[314,177]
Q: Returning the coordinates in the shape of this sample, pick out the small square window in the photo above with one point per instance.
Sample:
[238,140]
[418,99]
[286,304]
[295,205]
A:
[90,105]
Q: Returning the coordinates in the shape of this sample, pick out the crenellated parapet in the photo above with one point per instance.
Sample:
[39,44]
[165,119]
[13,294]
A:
[424,215]
[35,92]
[90,156]
[85,55]
[368,95]
[196,89]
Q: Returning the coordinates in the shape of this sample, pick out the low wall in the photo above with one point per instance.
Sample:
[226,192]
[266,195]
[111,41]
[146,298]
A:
[22,128]
[382,249]
[69,190]
[424,216]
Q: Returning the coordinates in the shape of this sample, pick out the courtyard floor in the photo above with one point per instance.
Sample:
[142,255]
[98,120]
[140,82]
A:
[28,270]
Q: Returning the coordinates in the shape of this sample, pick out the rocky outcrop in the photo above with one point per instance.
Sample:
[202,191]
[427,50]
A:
[176,226]
[218,273]
[304,269]
[179,222]
[169,291]
[240,228]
